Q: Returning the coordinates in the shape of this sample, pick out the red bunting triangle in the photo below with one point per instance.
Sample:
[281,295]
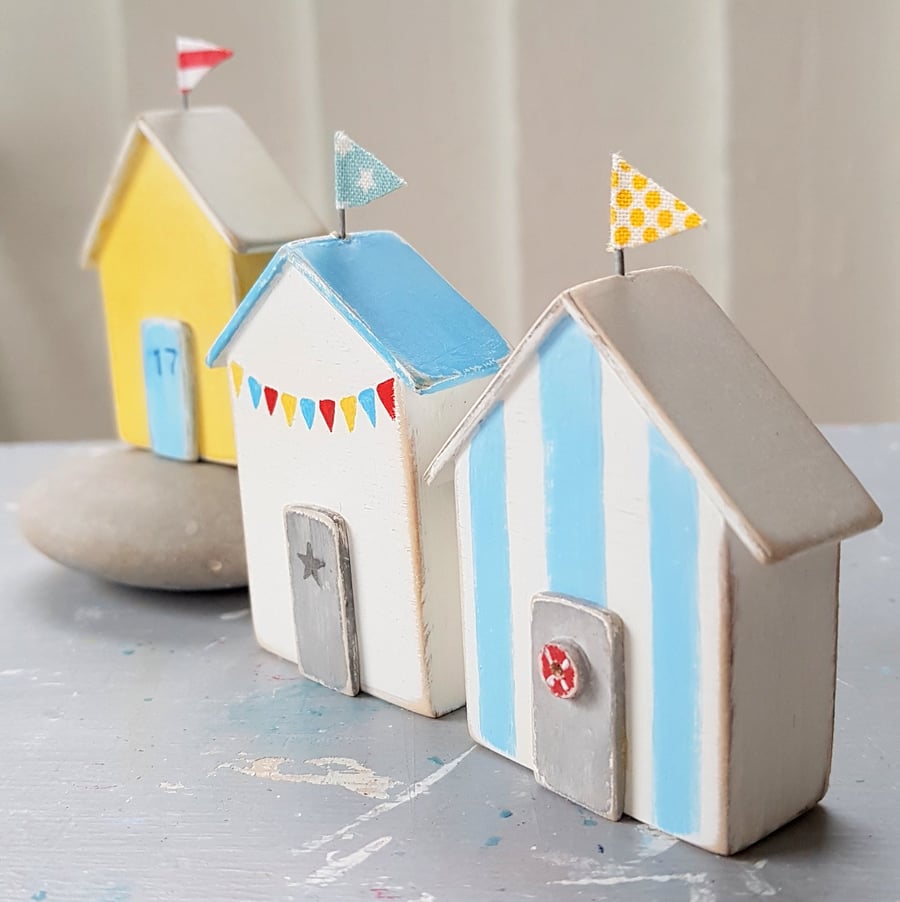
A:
[327,407]
[271,397]
[386,394]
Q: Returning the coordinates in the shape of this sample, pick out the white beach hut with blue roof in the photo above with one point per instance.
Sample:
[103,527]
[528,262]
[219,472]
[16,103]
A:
[351,361]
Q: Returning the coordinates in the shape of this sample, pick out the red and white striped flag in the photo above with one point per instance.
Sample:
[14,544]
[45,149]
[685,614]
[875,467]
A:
[195,59]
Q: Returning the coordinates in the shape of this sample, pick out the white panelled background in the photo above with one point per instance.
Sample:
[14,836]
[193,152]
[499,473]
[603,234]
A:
[776,120]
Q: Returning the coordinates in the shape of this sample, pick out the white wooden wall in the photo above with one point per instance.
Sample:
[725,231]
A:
[778,121]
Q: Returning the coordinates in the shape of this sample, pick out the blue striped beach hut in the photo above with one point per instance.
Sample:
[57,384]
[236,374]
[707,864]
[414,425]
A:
[635,456]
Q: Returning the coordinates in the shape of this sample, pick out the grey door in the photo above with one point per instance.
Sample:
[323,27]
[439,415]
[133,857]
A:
[578,681]
[324,619]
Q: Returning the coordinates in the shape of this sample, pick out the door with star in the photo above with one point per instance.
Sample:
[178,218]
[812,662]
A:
[324,618]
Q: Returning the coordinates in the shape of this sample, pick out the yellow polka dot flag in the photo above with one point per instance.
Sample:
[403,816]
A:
[640,211]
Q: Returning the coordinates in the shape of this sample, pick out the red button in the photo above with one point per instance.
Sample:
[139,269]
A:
[559,670]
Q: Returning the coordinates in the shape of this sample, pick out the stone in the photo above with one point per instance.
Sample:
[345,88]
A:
[132,517]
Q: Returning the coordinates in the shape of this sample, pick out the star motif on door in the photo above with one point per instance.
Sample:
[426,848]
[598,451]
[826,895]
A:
[311,564]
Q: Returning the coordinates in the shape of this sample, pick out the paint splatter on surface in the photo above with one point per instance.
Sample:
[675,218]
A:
[434,759]
[281,711]
[345,772]
[505,812]
[653,842]
[127,651]
[411,792]
[171,787]
[492,841]
[336,866]
[40,895]
[590,822]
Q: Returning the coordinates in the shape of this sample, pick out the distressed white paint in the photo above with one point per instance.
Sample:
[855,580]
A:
[412,792]
[784,635]
[431,418]
[713,611]
[171,787]
[344,772]
[755,883]
[402,546]
[620,879]
[527,527]
[628,590]
[653,842]
[337,866]
[467,593]
[597,872]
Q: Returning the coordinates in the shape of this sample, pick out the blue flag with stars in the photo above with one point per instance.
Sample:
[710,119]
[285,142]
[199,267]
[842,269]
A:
[359,177]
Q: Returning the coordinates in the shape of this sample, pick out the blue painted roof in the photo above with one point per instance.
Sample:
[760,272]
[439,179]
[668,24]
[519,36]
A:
[429,334]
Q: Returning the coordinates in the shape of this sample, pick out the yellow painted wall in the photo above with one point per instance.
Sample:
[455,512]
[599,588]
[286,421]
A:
[162,257]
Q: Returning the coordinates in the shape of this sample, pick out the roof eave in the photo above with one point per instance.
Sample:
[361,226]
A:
[215,357]
[121,170]
[437,471]
[120,175]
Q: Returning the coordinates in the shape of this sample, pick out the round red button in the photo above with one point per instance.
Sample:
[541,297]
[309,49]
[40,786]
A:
[559,669]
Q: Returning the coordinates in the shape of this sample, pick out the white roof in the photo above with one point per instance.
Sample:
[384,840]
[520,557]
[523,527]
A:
[774,477]
[227,171]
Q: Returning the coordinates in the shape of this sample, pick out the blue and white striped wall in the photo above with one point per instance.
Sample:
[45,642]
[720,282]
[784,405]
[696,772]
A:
[567,487]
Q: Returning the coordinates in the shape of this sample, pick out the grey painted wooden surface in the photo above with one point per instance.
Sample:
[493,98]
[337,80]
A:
[150,750]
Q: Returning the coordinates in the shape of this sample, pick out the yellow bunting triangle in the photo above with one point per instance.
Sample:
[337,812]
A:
[641,211]
[289,403]
[237,377]
[348,408]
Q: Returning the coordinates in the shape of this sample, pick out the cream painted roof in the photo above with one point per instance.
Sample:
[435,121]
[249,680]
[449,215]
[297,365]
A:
[227,171]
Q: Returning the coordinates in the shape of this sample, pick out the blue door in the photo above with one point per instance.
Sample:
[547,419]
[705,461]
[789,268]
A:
[169,387]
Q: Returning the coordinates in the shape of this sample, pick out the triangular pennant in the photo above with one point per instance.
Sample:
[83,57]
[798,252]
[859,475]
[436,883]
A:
[289,404]
[359,176]
[271,397]
[348,408]
[195,59]
[641,211]
[367,402]
[308,409]
[327,407]
[386,394]
[255,391]
[237,377]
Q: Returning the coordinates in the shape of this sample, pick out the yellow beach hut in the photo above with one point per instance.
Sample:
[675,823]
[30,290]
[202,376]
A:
[193,212]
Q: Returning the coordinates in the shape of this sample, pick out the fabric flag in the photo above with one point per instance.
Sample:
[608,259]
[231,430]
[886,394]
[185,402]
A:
[195,59]
[641,211]
[359,177]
